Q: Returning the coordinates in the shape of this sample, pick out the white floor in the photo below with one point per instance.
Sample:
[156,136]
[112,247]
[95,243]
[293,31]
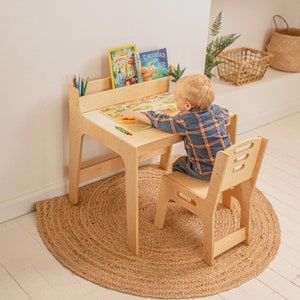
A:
[29,271]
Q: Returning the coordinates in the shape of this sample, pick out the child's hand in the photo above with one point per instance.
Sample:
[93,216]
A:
[134,115]
[128,114]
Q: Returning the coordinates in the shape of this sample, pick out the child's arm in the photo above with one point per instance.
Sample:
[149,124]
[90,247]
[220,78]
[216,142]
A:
[129,114]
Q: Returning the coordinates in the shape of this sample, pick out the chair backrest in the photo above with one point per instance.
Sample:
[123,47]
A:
[238,163]
[231,127]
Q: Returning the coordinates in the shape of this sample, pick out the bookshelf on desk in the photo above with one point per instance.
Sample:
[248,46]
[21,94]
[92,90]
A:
[128,151]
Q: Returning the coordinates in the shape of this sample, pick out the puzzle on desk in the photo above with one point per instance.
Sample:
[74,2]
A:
[161,103]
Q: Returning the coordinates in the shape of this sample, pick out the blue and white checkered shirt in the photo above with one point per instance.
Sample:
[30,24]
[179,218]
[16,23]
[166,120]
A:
[204,133]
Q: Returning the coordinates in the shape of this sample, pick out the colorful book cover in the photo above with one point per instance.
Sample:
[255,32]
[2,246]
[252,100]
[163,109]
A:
[122,65]
[151,64]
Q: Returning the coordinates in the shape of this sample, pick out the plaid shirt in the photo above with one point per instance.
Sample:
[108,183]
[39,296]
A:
[204,133]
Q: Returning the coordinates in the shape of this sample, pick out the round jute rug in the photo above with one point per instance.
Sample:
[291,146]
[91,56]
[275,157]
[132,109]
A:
[90,239]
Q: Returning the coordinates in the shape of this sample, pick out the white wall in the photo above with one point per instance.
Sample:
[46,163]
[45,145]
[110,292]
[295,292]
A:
[253,20]
[278,93]
[43,43]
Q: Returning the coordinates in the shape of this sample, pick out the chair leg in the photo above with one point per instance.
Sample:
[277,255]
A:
[208,241]
[243,195]
[226,198]
[162,203]
[245,216]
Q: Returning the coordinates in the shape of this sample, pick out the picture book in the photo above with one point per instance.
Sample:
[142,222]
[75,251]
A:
[162,103]
[151,64]
[122,66]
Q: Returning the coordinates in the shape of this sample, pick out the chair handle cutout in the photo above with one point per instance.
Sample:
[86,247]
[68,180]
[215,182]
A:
[243,148]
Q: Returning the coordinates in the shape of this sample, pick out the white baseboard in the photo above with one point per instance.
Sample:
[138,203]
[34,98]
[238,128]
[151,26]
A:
[25,203]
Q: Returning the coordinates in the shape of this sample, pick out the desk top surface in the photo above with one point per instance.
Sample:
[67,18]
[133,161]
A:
[137,139]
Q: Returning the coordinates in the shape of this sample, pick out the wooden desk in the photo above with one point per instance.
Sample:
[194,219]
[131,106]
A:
[128,151]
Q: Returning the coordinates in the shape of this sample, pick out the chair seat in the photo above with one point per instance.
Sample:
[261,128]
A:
[195,186]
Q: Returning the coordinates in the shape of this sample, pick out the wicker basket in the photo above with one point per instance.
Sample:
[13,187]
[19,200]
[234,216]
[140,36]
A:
[285,46]
[243,65]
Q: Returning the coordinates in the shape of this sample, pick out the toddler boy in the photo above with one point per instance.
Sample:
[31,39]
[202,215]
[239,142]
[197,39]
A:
[201,123]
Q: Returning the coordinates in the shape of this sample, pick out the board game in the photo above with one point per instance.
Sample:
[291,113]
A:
[161,103]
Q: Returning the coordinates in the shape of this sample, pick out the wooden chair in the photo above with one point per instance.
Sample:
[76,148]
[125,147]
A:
[231,127]
[234,175]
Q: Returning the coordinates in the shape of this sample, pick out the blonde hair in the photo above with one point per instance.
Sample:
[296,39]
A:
[197,89]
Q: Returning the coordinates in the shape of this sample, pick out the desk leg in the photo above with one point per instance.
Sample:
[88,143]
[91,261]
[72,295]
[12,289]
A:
[132,205]
[165,158]
[75,153]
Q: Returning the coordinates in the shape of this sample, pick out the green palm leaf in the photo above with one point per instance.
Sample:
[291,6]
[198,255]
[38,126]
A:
[216,26]
[217,45]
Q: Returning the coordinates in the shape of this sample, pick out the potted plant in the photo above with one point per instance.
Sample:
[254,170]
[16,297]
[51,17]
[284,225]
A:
[175,74]
[217,45]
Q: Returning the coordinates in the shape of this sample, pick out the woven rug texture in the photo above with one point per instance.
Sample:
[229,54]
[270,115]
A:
[90,239]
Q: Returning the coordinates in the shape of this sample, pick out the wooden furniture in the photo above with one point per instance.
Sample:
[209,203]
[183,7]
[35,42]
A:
[231,127]
[127,151]
[234,175]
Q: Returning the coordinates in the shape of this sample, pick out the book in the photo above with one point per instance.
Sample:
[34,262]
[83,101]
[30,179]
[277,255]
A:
[151,64]
[122,65]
